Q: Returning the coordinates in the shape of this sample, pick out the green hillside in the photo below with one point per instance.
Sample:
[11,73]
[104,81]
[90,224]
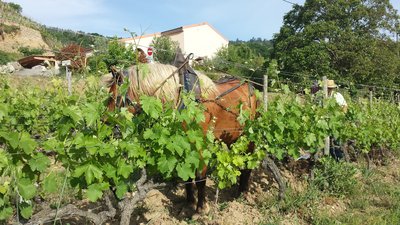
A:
[12,19]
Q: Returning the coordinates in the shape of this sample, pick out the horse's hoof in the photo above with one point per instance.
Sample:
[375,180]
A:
[203,210]
[192,206]
[249,199]
[186,212]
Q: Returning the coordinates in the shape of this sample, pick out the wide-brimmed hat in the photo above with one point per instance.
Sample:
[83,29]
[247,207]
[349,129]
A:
[331,84]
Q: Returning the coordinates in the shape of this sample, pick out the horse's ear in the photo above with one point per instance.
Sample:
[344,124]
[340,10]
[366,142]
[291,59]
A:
[117,75]
[179,58]
[113,71]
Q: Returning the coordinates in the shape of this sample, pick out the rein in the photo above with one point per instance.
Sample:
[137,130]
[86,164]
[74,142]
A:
[229,90]
[215,100]
[190,56]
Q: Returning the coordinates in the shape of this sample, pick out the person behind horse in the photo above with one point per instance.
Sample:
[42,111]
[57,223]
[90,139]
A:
[335,149]
[332,93]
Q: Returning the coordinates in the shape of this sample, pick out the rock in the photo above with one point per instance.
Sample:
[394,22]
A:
[16,65]
[5,69]
[39,68]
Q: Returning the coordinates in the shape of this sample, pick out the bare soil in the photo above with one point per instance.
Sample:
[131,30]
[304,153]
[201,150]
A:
[26,37]
[167,205]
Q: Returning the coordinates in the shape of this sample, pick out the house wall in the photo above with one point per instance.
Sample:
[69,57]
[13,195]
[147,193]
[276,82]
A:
[179,37]
[142,43]
[203,41]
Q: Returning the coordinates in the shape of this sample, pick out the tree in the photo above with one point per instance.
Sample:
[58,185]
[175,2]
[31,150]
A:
[115,55]
[262,47]
[15,7]
[347,40]
[239,59]
[165,49]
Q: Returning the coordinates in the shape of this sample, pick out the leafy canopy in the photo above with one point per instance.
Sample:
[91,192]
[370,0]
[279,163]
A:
[165,49]
[347,40]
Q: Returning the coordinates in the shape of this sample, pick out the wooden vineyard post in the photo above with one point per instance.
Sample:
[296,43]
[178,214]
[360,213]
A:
[265,93]
[68,73]
[327,139]
[370,97]
[268,162]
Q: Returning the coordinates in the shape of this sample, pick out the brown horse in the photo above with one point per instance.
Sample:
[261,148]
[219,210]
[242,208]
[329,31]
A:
[221,100]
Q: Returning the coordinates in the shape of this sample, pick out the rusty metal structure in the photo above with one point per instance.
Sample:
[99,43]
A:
[76,53]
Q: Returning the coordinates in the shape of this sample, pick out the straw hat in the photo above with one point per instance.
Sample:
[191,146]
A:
[331,84]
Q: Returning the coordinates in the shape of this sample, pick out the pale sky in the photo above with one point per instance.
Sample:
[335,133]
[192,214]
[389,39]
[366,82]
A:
[233,18]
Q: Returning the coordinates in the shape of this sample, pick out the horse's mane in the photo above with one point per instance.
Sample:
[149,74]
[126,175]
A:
[151,76]
[107,80]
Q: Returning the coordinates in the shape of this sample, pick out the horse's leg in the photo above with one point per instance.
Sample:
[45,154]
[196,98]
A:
[189,192]
[201,191]
[244,180]
[245,174]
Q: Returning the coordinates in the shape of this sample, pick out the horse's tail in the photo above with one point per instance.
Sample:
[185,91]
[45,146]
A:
[253,103]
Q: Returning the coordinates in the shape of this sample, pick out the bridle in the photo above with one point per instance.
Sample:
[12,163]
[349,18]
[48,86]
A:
[124,101]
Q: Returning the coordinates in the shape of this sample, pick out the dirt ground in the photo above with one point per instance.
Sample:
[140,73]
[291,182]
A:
[260,205]
[26,37]
[167,206]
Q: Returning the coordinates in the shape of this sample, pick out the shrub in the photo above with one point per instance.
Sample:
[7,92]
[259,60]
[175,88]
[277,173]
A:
[6,57]
[116,55]
[165,49]
[17,8]
[26,51]
[9,29]
[335,178]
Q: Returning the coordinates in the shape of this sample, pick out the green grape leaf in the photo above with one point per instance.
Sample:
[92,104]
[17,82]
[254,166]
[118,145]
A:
[52,145]
[91,172]
[50,183]
[148,134]
[3,159]
[26,188]
[26,210]
[91,114]
[122,188]
[184,171]
[193,158]
[135,150]
[11,137]
[3,111]
[107,149]
[310,139]
[95,191]
[5,213]
[124,169]
[27,143]
[39,162]
[151,106]
[110,171]
[166,165]
[73,112]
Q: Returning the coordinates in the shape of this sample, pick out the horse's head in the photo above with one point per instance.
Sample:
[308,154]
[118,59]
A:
[118,99]
[114,83]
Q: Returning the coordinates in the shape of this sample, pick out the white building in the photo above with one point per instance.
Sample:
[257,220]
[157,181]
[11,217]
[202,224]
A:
[202,39]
